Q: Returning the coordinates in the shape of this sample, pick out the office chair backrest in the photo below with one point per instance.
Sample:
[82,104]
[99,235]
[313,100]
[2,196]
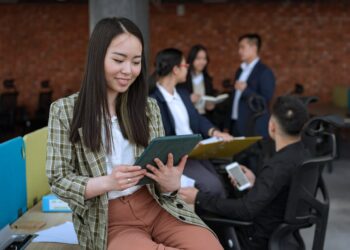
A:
[308,99]
[9,84]
[45,99]
[8,101]
[258,107]
[308,200]
[303,206]
[319,137]
[45,84]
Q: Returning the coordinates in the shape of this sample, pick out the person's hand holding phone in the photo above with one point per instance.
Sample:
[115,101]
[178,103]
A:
[248,173]
[240,176]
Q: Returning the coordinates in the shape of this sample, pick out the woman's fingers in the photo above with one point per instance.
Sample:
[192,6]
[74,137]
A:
[170,162]
[125,175]
[127,168]
[130,182]
[159,163]
[152,176]
[182,163]
[153,169]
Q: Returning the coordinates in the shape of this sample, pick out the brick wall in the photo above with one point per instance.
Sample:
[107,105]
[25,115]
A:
[43,41]
[302,42]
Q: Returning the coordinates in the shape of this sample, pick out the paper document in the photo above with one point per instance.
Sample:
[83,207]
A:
[216,100]
[218,139]
[187,181]
[63,233]
[211,140]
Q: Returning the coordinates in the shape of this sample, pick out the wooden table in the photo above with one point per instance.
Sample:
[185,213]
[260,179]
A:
[51,219]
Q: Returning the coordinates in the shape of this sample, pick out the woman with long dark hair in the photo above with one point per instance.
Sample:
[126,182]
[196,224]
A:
[198,81]
[180,117]
[93,140]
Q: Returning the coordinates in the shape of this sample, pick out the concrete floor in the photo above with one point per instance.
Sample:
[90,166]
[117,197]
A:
[338,230]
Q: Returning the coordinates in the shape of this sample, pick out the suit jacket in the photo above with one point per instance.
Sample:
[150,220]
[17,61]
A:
[198,123]
[69,167]
[261,82]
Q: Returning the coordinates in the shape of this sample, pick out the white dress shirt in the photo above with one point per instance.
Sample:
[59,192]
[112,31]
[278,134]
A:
[199,88]
[178,111]
[122,154]
[246,71]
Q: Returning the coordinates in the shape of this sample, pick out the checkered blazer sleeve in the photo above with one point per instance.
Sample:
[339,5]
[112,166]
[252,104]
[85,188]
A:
[61,158]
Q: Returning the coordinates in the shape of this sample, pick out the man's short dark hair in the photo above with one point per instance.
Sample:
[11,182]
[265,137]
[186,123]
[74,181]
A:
[291,114]
[252,38]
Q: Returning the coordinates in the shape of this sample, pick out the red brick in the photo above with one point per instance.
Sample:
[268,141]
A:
[43,41]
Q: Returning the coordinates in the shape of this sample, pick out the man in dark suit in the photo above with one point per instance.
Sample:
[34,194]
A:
[251,79]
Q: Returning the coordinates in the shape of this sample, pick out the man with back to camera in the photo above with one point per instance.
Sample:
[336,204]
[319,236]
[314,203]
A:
[265,203]
[252,78]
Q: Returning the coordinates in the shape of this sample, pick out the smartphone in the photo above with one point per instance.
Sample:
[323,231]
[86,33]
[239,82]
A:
[235,171]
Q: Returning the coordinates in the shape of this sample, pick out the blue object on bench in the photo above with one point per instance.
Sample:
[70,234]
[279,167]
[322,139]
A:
[13,198]
[51,203]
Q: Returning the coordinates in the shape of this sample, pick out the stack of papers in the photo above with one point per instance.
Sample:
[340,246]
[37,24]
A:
[63,233]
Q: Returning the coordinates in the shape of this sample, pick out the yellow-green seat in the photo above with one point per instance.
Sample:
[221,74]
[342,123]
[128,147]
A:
[340,96]
[35,156]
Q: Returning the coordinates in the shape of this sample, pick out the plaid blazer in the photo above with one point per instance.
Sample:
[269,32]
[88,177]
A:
[69,167]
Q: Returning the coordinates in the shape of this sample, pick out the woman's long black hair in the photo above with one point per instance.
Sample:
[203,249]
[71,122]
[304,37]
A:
[91,109]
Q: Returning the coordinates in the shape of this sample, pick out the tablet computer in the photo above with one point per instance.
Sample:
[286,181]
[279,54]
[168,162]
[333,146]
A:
[178,145]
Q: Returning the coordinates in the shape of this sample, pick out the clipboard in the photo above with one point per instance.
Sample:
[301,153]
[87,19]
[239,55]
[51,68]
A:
[178,145]
[219,149]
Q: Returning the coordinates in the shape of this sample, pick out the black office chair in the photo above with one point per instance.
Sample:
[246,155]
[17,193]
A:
[320,135]
[258,107]
[303,210]
[9,84]
[8,106]
[43,108]
[308,201]
[308,99]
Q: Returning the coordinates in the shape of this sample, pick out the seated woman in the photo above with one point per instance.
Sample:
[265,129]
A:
[180,117]
[93,141]
[265,202]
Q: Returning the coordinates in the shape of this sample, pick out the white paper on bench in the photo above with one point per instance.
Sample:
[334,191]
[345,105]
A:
[63,233]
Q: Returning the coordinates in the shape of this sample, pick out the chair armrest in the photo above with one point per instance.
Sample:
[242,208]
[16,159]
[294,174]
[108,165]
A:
[211,218]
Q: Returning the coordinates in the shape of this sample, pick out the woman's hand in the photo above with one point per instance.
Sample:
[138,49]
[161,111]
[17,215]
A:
[195,98]
[125,176]
[188,194]
[209,106]
[167,176]
[225,136]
